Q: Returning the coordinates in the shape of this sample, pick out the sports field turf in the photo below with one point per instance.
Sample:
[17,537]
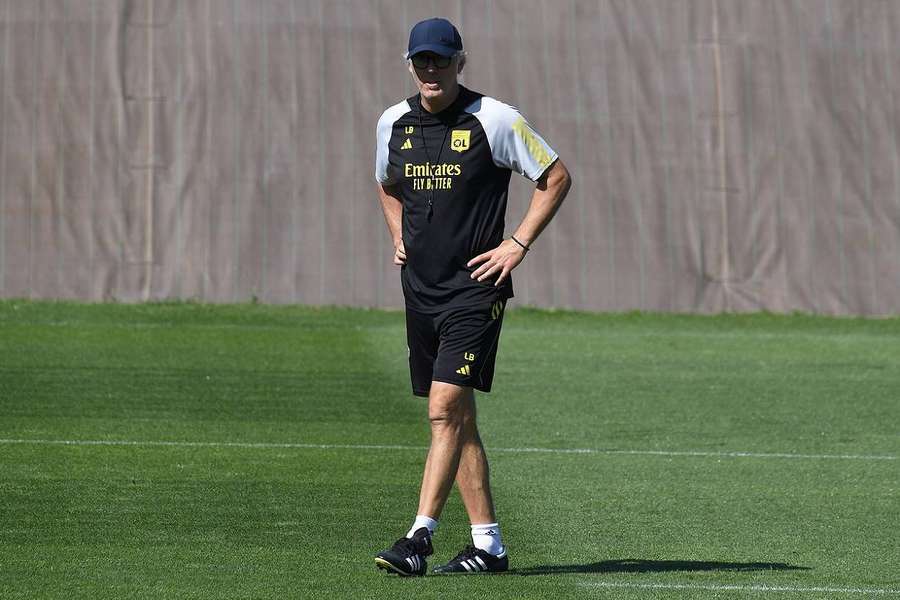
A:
[270,452]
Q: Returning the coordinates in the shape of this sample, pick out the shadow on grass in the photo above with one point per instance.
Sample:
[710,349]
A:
[630,565]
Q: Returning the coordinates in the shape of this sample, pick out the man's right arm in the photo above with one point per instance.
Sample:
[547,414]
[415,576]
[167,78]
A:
[392,206]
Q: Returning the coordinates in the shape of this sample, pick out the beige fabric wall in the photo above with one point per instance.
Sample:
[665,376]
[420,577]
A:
[728,154]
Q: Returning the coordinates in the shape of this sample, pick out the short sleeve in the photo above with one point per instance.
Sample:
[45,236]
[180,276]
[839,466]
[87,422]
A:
[383,172]
[515,145]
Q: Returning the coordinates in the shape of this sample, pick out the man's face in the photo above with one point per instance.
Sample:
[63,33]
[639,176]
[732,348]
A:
[432,81]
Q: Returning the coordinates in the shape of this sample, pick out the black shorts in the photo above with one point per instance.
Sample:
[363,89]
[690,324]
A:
[456,346]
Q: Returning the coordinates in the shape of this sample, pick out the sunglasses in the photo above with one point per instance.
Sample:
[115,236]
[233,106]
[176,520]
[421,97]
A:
[421,61]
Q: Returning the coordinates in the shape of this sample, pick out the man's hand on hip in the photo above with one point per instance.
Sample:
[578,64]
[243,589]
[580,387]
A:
[399,253]
[504,258]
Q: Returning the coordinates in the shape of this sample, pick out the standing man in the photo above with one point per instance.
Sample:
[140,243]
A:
[444,159]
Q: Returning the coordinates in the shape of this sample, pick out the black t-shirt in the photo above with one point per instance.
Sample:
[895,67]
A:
[452,169]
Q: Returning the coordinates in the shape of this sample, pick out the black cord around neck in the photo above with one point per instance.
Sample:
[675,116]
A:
[429,191]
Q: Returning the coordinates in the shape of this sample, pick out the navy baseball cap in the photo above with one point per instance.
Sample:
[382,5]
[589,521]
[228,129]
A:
[434,35]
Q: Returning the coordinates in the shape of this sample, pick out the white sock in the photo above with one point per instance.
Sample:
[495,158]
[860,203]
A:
[422,521]
[487,537]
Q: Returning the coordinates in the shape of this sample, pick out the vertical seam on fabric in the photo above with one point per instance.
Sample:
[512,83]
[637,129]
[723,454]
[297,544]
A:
[890,86]
[410,85]
[321,154]
[235,124]
[610,199]
[295,121]
[266,157]
[490,25]
[700,264]
[721,159]
[554,300]
[459,19]
[811,271]
[379,94]
[151,157]
[867,173]
[636,199]
[667,164]
[579,150]
[839,170]
[752,203]
[6,35]
[179,187]
[210,93]
[778,69]
[517,34]
[34,124]
[351,135]
[58,199]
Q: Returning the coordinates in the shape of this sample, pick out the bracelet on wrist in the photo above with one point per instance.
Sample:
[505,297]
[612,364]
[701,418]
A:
[513,238]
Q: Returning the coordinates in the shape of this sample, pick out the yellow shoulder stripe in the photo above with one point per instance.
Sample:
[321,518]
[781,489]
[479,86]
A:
[535,148]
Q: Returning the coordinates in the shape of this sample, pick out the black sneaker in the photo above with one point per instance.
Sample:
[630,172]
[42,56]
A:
[474,560]
[407,556]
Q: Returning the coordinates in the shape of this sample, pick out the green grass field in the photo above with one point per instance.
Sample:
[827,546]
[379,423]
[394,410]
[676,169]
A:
[191,451]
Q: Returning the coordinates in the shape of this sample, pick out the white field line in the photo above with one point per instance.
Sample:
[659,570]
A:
[740,588]
[289,445]
[575,332]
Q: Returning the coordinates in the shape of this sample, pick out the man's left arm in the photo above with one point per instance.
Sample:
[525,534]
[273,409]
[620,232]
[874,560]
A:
[551,189]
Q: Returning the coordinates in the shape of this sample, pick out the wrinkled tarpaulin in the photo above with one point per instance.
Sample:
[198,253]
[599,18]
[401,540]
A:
[728,154]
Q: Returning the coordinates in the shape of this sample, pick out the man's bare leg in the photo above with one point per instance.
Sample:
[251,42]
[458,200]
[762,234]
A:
[456,453]
[451,412]
[473,476]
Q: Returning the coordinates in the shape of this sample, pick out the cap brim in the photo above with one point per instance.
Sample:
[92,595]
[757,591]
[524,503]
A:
[436,48]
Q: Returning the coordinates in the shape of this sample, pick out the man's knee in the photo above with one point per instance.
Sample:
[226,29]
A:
[451,406]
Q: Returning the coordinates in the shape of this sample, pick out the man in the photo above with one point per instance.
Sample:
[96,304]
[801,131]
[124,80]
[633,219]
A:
[443,161]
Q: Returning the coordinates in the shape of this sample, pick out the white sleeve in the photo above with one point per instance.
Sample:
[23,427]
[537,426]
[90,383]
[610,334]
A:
[515,145]
[383,173]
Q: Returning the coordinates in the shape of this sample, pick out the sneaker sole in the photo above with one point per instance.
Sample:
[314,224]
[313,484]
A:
[387,566]
[455,573]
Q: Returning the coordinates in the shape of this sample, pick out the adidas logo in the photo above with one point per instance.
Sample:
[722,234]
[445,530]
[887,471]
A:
[464,370]
[407,145]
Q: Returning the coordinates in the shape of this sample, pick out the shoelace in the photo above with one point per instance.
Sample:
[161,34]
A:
[408,546]
[469,551]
